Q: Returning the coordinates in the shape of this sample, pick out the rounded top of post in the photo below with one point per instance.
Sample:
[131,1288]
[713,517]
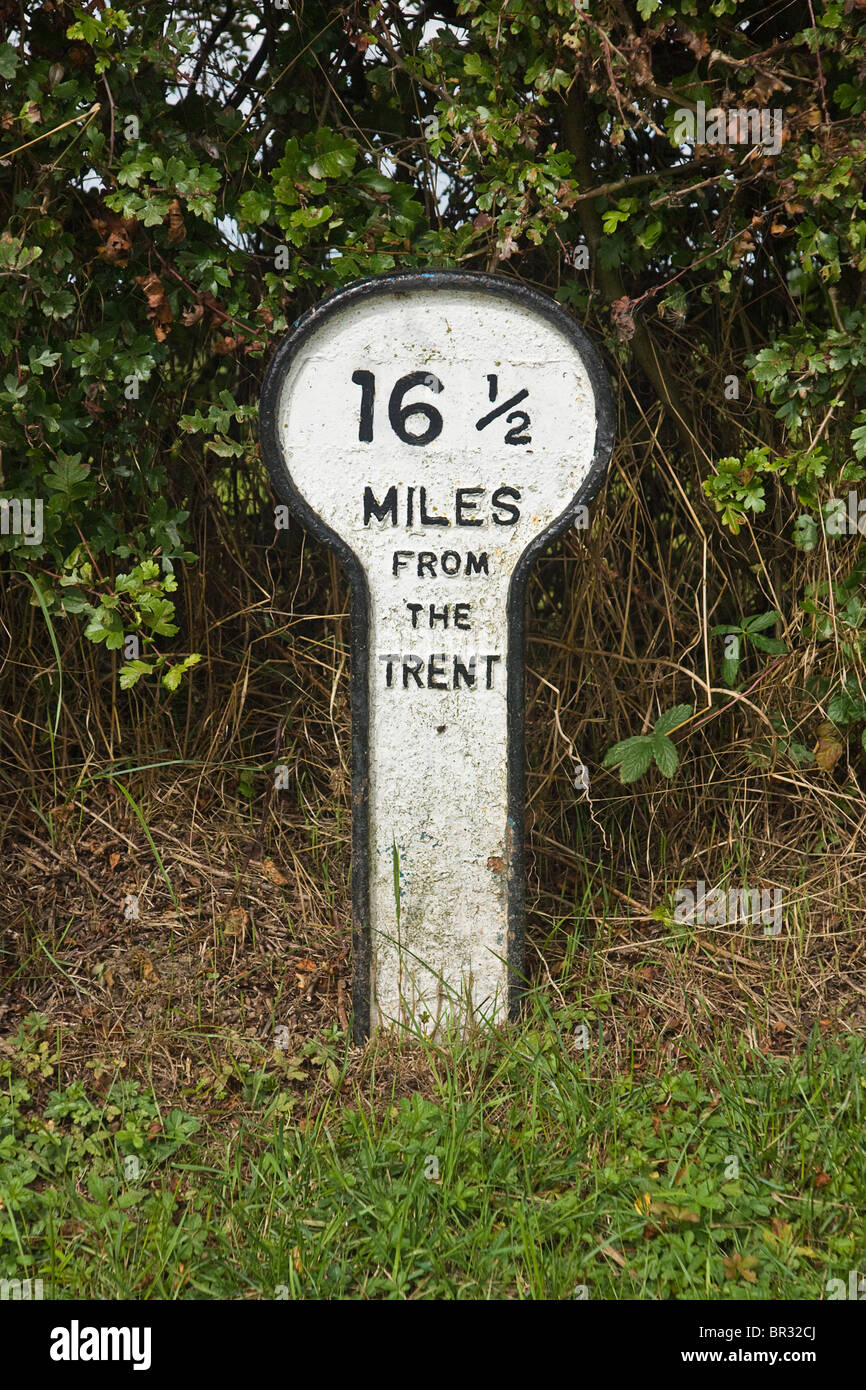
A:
[467,349]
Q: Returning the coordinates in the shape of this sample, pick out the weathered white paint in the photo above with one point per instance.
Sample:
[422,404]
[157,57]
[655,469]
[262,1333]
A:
[438,757]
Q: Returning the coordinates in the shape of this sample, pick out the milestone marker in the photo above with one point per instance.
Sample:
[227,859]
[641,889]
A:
[437,430]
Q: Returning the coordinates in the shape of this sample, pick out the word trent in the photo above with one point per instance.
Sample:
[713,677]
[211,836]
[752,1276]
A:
[439,671]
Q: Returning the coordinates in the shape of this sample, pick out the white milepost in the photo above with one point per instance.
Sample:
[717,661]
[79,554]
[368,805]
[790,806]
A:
[438,430]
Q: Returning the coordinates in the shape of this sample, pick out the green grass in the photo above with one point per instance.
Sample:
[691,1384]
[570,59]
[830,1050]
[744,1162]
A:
[518,1174]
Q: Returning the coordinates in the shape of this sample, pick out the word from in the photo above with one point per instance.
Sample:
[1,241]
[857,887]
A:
[449,562]
[439,671]
[76,1343]
[466,502]
[17,519]
[739,126]
[727,908]
[399,414]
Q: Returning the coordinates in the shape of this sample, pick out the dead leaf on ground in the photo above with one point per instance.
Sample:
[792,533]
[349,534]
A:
[273,873]
[235,923]
[736,1267]
[829,748]
[673,1212]
[148,969]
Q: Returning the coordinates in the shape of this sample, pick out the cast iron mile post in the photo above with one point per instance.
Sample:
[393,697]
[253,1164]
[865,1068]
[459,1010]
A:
[438,430]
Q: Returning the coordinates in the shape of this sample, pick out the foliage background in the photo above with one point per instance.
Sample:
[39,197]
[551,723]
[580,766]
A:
[177,184]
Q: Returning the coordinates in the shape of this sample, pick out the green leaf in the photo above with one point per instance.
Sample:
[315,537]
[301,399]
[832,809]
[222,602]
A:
[131,672]
[68,477]
[59,304]
[672,718]
[254,207]
[731,660]
[650,234]
[773,645]
[665,755]
[634,756]
[636,761]
[333,164]
[8,61]
[805,532]
[174,675]
[761,621]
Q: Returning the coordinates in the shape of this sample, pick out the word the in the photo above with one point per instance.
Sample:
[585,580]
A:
[75,1343]
[736,127]
[440,615]
[726,908]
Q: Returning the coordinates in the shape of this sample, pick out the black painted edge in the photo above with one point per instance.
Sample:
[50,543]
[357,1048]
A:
[401,282]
